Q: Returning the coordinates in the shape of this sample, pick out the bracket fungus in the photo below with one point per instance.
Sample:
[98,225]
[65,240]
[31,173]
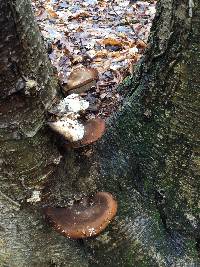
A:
[86,218]
[72,103]
[70,129]
[67,123]
[80,80]
[93,130]
[77,133]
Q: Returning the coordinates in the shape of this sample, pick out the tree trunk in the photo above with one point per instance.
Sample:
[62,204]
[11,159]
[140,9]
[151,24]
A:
[27,155]
[149,159]
[150,155]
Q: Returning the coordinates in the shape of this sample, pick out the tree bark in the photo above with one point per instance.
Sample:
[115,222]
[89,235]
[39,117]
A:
[27,155]
[28,87]
[150,156]
[149,159]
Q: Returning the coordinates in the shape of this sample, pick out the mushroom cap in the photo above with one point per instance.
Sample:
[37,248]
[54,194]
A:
[80,77]
[69,128]
[85,218]
[93,130]
[77,133]
[72,103]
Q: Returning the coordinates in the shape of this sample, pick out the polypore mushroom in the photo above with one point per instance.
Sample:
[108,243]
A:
[70,129]
[71,103]
[80,80]
[93,130]
[85,218]
[77,133]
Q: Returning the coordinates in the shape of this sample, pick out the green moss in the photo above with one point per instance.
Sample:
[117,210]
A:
[125,85]
[135,257]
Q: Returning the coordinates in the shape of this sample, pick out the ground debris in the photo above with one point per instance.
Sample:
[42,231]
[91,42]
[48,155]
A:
[109,36]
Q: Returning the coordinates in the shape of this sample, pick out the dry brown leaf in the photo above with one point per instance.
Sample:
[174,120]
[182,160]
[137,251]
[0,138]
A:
[77,59]
[80,15]
[41,13]
[79,29]
[52,13]
[140,44]
[103,53]
[111,41]
[115,54]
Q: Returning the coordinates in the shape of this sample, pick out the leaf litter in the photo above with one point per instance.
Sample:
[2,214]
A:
[109,36]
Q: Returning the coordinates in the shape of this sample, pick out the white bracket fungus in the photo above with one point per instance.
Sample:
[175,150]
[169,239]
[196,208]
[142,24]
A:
[67,111]
[70,129]
[72,103]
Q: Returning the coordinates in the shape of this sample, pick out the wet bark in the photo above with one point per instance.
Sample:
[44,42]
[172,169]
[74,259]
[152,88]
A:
[148,158]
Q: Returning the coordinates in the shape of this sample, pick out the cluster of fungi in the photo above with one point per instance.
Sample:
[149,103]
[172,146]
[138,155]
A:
[67,125]
[89,216]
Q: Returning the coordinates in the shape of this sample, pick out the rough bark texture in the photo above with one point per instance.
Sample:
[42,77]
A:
[149,159]
[155,145]
[27,156]
[28,87]
[150,156]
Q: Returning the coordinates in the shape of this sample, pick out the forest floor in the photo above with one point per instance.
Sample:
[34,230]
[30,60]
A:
[110,36]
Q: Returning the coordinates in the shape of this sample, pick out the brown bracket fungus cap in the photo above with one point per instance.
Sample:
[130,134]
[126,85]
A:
[77,133]
[85,218]
[80,80]
[93,130]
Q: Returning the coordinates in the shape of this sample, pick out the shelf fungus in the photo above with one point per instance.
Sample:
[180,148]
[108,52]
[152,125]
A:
[77,133]
[66,122]
[70,129]
[93,130]
[80,80]
[72,103]
[85,218]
